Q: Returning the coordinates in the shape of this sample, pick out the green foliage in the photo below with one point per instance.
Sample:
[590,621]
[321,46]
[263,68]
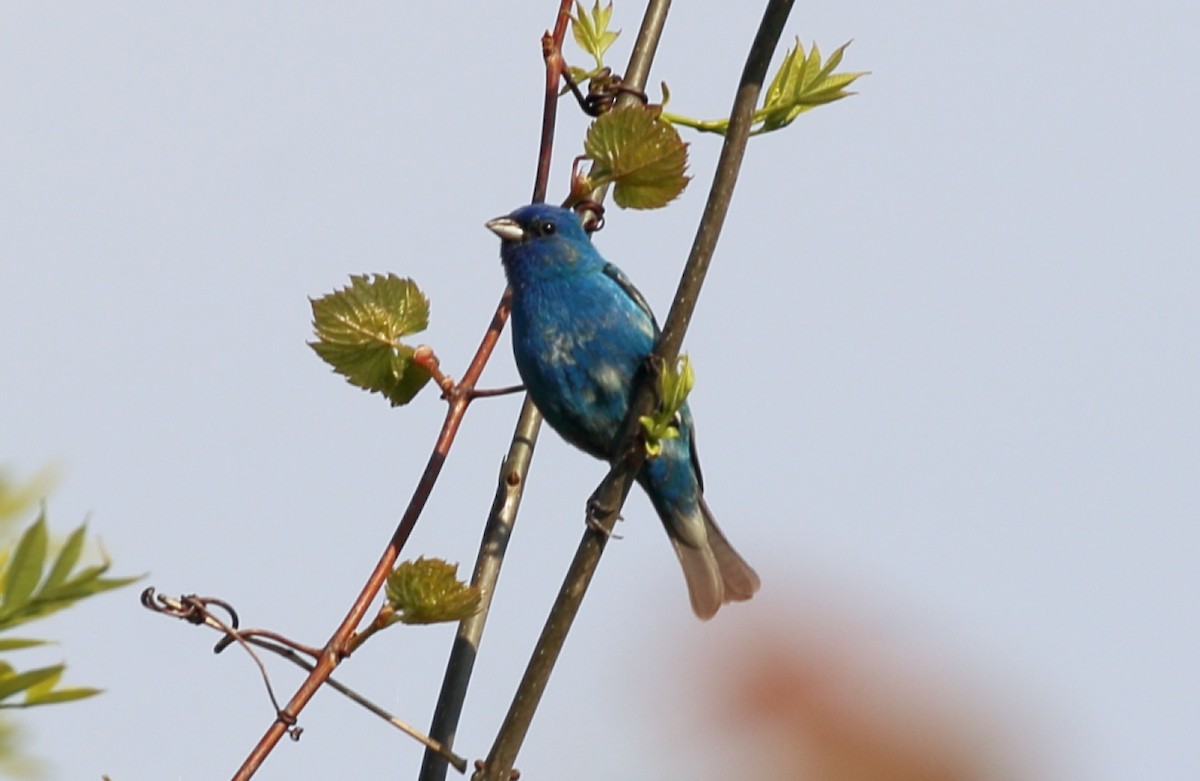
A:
[38,686]
[801,83]
[38,578]
[641,155]
[428,591]
[591,31]
[29,591]
[359,328]
[27,595]
[674,385]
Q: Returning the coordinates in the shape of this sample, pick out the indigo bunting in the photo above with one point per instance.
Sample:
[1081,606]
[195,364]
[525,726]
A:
[581,332]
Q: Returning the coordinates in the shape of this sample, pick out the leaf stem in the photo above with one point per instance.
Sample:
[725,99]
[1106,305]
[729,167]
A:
[701,125]
[611,493]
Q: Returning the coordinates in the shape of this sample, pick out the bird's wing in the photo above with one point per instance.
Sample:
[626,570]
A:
[618,276]
[685,420]
[684,415]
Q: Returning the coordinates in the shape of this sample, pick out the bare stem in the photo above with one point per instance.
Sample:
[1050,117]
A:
[503,515]
[195,610]
[610,495]
[496,534]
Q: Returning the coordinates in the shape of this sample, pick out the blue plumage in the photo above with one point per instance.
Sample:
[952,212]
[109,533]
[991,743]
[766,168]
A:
[581,332]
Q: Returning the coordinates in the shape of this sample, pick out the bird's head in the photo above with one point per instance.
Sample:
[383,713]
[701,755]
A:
[542,241]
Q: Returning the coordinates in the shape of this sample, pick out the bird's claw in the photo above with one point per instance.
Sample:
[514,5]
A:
[594,513]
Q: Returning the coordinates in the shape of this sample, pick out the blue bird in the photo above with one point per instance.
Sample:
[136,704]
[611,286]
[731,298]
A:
[581,332]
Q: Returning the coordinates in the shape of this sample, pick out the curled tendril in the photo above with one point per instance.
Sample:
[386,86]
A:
[591,213]
[604,87]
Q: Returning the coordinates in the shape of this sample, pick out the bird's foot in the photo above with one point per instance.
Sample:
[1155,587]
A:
[596,516]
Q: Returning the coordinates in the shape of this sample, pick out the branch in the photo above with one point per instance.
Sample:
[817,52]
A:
[501,518]
[335,649]
[496,534]
[195,610]
[516,464]
[610,495]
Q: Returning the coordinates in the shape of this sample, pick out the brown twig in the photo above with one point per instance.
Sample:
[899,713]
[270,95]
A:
[334,650]
[504,391]
[552,53]
[196,610]
[610,495]
[459,396]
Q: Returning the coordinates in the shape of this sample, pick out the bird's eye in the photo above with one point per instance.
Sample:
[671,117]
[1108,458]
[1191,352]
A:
[546,228]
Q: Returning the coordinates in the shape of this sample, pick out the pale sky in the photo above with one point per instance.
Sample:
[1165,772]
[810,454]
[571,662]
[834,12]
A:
[946,356]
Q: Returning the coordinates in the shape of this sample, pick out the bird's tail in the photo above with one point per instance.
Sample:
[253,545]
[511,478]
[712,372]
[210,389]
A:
[715,572]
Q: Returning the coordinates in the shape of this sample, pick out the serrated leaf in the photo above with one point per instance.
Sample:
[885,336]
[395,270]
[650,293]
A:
[19,682]
[24,569]
[17,643]
[359,328]
[427,591]
[591,31]
[800,84]
[640,154]
[68,557]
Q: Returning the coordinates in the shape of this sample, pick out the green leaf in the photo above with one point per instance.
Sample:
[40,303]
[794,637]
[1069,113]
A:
[640,154]
[45,685]
[591,31]
[359,328]
[19,682]
[17,643]
[38,686]
[69,694]
[87,583]
[802,83]
[428,591]
[674,385]
[68,557]
[24,569]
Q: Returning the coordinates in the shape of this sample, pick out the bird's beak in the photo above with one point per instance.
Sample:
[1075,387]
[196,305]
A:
[506,228]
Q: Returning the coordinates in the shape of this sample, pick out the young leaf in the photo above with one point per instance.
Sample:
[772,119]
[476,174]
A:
[674,385]
[18,682]
[45,685]
[428,591]
[69,694]
[85,584]
[802,83]
[640,154]
[24,569]
[17,643]
[359,329]
[591,32]
[68,557]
